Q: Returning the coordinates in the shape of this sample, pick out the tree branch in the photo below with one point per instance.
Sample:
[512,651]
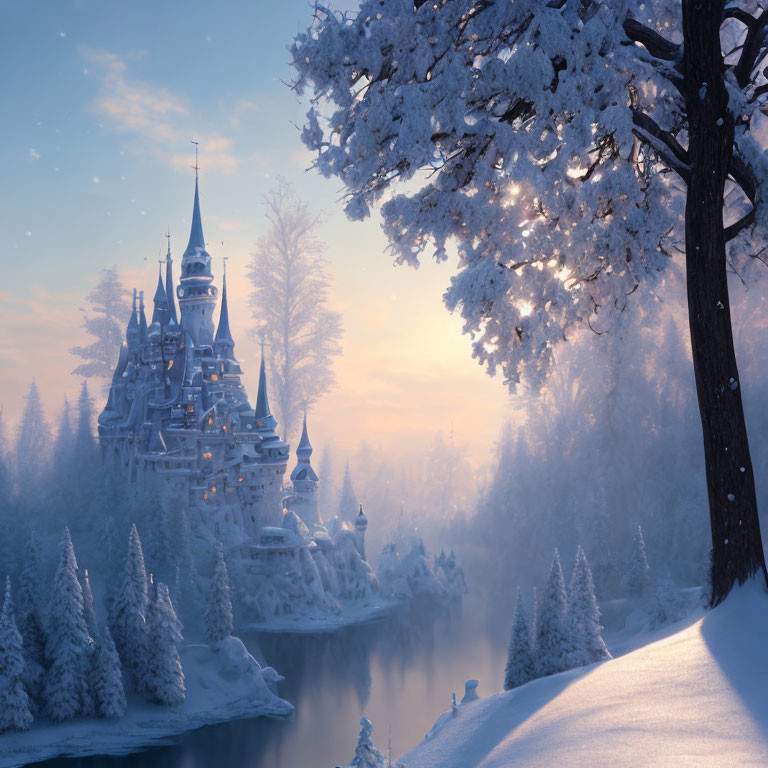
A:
[652,41]
[664,142]
[743,175]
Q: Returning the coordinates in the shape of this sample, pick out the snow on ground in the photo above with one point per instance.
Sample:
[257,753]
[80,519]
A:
[223,684]
[698,697]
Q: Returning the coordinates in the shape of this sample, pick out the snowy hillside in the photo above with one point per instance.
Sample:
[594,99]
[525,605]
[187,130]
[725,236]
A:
[696,698]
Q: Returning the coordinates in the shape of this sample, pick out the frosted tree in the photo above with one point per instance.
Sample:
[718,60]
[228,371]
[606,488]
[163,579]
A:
[15,713]
[128,620]
[165,677]
[85,444]
[89,612]
[366,754]
[552,642]
[538,140]
[637,578]
[520,665]
[33,446]
[110,310]
[68,642]
[107,678]
[28,615]
[185,571]
[348,503]
[326,495]
[218,610]
[583,620]
[289,299]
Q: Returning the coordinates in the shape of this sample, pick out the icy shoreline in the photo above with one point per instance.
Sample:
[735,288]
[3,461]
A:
[222,685]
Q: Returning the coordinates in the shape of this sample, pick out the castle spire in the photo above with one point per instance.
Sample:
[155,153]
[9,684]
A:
[262,402]
[172,316]
[196,239]
[160,312]
[132,331]
[142,319]
[223,334]
[304,449]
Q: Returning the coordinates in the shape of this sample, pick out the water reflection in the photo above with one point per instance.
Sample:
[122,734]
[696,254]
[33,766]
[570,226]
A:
[399,672]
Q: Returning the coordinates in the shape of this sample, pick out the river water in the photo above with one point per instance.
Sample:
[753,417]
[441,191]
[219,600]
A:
[399,672]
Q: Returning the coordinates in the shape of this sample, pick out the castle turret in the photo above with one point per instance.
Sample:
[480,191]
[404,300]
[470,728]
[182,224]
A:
[197,297]
[142,320]
[265,421]
[160,312]
[173,318]
[132,331]
[223,344]
[361,525]
[304,498]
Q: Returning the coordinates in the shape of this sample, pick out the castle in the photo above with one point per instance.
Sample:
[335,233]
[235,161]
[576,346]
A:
[177,408]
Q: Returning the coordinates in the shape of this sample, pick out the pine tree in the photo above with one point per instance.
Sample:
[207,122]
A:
[218,611]
[520,667]
[584,617]
[552,644]
[88,609]
[534,623]
[638,579]
[15,714]
[107,679]
[366,754]
[185,586]
[128,621]
[68,643]
[33,443]
[29,622]
[165,677]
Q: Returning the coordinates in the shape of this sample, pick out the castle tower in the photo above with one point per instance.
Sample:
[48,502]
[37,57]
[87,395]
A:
[197,296]
[160,312]
[223,344]
[361,525]
[132,331]
[305,480]
[142,320]
[173,318]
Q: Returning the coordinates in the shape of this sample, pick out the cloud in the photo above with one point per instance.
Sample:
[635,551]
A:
[159,120]
[242,108]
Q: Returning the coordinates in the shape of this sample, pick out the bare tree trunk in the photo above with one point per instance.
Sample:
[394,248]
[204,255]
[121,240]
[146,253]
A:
[737,549]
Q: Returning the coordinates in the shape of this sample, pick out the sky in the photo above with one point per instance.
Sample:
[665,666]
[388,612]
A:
[100,102]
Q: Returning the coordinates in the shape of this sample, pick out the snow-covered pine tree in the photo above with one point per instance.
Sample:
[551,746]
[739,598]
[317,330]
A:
[28,617]
[552,644]
[520,667]
[534,623]
[68,642]
[128,620]
[88,609]
[165,677]
[107,678]
[33,443]
[638,578]
[186,583]
[15,714]
[583,623]
[366,754]
[218,610]
[348,503]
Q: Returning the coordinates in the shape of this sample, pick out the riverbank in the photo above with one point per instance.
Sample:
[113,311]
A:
[222,685]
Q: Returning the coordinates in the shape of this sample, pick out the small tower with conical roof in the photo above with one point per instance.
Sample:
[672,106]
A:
[197,295]
[142,320]
[132,331]
[303,500]
[160,312]
[361,525]
[223,344]
[173,318]
[265,421]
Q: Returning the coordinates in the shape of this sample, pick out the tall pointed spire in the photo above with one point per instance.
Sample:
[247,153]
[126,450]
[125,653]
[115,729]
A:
[196,239]
[142,319]
[304,449]
[262,402]
[160,312]
[223,334]
[132,332]
[169,292]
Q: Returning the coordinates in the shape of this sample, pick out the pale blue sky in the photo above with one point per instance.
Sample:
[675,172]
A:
[99,102]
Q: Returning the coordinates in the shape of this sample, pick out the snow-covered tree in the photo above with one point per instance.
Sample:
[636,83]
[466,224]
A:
[638,578]
[15,713]
[218,609]
[289,299]
[85,444]
[583,620]
[538,140]
[366,754]
[68,642]
[128,619]
[520,665]
[185,590]
[165,677]
[28,615]
[89,612]
[552,642]
[110,308]
[348,504]
[33,446]
[107,678]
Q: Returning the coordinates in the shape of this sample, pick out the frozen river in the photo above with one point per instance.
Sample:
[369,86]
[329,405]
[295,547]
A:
[399,672]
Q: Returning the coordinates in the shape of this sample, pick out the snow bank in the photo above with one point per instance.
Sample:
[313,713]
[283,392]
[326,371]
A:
[223,683]
[696,698]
